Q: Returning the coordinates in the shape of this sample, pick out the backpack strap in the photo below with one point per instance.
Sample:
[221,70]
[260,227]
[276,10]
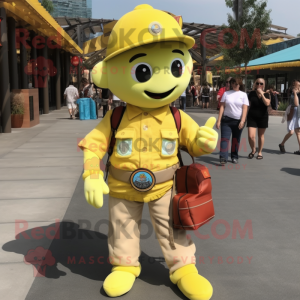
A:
[115,120]
[177,118]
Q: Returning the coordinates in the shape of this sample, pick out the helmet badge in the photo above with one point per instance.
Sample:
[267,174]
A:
[155,28]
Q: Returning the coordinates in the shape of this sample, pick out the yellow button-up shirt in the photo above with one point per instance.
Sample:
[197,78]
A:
[143,140]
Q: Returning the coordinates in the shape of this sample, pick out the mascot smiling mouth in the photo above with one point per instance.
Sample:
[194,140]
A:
[161,95]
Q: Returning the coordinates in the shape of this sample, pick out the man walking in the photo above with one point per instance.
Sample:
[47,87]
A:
[71,95]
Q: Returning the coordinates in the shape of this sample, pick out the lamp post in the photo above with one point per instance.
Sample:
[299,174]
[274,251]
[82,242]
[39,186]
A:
[238,9]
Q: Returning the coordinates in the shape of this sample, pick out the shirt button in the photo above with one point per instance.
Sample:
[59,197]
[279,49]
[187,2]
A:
[144,149]
[145,114]
[170,133]
[145,127]
[122,133]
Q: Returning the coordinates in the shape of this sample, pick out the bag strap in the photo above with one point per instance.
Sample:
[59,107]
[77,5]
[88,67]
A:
[115,120]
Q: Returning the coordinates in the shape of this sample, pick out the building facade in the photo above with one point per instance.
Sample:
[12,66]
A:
[72,8]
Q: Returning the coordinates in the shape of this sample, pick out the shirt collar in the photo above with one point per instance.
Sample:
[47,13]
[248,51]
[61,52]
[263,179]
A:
[159,113]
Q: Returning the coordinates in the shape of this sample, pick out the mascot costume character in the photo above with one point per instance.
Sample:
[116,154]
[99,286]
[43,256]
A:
[148,66]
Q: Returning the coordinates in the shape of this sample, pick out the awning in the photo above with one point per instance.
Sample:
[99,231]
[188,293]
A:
[32,13]
[287,55]
[286,58]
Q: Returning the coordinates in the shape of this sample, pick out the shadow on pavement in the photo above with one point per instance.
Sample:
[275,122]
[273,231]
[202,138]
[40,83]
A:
[208,159]
[83,252]
[213,161]
[272,151]
[291,171]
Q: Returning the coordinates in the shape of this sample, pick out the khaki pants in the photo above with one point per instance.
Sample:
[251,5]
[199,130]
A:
[124,233]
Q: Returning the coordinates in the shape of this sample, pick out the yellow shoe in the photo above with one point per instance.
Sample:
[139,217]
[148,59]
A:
[120,280]
[191,284]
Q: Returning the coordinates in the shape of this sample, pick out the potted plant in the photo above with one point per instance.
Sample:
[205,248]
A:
[17,110]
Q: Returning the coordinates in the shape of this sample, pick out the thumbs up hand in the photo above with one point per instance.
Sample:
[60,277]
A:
[207,137]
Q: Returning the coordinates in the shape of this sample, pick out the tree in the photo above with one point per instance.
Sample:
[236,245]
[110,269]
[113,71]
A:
[48,5]
[298,35]
[243,37]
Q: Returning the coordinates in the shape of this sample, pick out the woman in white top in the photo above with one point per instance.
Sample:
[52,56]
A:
[234,104]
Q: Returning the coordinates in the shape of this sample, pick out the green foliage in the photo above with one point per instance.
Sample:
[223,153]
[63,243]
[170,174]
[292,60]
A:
[17,104]
[48,5]
[298,35]
[283,106]
[255,17]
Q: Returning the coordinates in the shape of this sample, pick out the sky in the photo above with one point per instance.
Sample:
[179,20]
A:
[212,12]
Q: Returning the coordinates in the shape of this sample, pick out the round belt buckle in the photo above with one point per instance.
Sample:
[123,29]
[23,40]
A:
[142,180]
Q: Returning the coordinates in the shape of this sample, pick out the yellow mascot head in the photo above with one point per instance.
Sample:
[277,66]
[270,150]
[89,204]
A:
[147,61]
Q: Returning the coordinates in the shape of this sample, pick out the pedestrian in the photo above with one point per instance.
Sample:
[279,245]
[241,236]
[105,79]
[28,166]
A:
[234,105]
[274,96]
[97,96]
[104,101]
[87,91]
[258,117]
[194,94]
[293,116]
[199,90]
[183,98]
[205,95]
[71,95]
[222,91]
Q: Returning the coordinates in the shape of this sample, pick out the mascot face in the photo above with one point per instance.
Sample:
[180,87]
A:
[150,75]
[151,67]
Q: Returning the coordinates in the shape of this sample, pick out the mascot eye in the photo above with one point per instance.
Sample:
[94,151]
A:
[141,72]
[177,67]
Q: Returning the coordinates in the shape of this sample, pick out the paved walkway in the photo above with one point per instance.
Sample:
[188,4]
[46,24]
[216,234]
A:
[40,182]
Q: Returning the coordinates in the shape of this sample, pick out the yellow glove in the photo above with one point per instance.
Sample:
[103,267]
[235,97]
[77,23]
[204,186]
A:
[207,137]
[94,184]
[94,190]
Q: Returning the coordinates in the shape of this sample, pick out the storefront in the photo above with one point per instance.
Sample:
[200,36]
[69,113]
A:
[278,69]
[35,54]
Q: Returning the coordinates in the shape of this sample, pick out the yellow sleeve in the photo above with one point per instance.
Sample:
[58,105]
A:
[97,141]
[188,135]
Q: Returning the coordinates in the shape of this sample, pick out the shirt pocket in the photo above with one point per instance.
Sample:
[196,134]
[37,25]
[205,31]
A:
[169,142]
[124,142]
